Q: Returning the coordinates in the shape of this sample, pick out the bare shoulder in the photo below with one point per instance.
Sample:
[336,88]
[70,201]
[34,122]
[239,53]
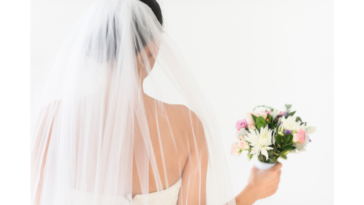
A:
[183,114]
[189,121]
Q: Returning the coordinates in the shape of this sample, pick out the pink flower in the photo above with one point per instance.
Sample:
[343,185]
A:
[234,150]
[249,119]
[269,112]
[243,144]
[241,124]
[299,136]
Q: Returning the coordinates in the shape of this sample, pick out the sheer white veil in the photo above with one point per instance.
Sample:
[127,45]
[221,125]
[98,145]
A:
[91,123]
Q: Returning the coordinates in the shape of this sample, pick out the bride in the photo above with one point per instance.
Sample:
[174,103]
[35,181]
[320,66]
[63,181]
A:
[97,138]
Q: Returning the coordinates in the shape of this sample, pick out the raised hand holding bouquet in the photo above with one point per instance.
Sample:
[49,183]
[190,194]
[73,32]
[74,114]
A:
[271,134]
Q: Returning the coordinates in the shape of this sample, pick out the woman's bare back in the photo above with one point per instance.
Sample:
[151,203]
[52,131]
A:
[183,154]
[170,129]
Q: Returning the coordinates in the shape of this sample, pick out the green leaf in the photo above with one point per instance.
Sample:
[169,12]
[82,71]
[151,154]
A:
[288,144]
[263,106]
[289,147]
[260,119]
[250,156]
[285,139]
[284,156]
[291,113]
[260,122]
[285,152]
[260,125]
[261,158]
[288,107]
[254,118]
[298,119]
[288,139]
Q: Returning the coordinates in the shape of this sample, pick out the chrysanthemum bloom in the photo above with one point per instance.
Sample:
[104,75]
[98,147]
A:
[260,141]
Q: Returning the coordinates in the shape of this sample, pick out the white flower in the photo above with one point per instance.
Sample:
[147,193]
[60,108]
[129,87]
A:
[310,130]
[274,113]
[290,123]
[280,128]
[301,147]
[242,132]
[260,141]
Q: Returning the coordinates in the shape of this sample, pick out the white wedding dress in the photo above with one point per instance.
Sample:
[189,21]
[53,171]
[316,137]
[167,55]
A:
[168,196]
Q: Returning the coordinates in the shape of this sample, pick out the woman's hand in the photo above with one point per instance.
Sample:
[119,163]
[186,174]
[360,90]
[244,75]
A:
[261,184]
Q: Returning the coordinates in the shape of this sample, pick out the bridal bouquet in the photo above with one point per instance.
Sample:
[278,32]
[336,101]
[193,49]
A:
[271,134]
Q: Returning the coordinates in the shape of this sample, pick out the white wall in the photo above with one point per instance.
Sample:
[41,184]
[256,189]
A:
[242,53]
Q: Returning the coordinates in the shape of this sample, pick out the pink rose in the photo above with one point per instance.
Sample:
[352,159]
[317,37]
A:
[261,113]
[241,124]
[249,119]
[234,150]
[299,136]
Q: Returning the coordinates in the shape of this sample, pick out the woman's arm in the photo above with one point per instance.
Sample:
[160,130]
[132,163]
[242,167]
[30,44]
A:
[261,183]
[246,197]
[193,190]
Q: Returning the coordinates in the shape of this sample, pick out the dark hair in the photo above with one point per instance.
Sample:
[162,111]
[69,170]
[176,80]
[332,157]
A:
[111,34]
[153,4]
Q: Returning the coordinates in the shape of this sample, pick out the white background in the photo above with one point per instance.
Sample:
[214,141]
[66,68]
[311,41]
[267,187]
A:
[15,101]
[242,53]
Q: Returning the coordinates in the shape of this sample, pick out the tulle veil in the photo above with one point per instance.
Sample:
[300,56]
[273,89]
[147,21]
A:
[91,128]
